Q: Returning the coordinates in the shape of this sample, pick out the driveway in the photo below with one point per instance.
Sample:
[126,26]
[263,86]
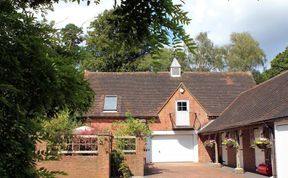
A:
[193,170]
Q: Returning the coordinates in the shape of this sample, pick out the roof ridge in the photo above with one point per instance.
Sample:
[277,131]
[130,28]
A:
[151,72]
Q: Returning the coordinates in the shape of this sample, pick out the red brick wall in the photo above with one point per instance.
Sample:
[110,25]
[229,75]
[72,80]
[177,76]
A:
[136,160]
[74,166]
[97,166]
[164,122]
[101,124]
[205,154]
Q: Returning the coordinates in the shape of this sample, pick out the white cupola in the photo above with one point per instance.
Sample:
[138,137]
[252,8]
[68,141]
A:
[175,68]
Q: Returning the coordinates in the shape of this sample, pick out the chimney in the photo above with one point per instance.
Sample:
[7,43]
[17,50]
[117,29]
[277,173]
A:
[175,68]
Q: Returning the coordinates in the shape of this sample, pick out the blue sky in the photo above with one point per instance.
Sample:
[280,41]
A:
[265,20]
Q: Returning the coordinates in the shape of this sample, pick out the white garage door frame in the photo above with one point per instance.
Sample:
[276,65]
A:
[181,134]
[281,144]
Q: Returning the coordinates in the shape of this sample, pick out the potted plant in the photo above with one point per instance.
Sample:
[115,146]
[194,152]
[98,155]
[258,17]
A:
[229,142]
[263,143]
[209,143]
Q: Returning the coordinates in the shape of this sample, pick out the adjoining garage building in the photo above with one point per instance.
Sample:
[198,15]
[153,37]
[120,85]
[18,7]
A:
[257,122]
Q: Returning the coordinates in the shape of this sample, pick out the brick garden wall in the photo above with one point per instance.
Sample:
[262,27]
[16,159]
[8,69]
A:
[136,161]
[164,122]
[74,166]
[96,166]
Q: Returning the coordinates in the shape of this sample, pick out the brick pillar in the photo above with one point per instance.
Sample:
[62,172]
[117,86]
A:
[103,160]
[140,153]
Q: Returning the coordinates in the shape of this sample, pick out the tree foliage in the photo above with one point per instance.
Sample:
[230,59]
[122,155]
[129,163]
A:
[155,22]
[207,56]
[244,53]
[53,130]
[278,65]
[108,53]
[163,61]
[71,36]
[69,42]
[108,50]
[35,81]
[131,127]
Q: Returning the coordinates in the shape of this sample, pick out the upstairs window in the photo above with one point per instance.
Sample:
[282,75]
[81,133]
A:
[110,103]
[181,106]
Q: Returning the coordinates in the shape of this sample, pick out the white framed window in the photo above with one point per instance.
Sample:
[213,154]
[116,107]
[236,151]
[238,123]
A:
[110,103]
[182,106]
[126,143]
[81,144]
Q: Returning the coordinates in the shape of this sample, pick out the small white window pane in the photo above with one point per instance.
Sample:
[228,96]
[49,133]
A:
[110,103]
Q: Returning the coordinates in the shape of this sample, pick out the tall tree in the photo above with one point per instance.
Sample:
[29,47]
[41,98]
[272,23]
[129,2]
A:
[163,61]
[155,21]
[35,81]
[207,56]
[278,65]
[244,53]
[71,36]
[110,53]
[70,41]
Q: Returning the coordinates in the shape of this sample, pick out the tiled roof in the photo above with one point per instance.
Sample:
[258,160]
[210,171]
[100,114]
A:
[263,102]
[144,93]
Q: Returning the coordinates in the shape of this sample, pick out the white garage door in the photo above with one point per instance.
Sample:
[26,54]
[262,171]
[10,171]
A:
[172,148]
[281,135]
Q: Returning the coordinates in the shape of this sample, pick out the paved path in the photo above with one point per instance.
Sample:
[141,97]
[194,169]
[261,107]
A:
[193,170]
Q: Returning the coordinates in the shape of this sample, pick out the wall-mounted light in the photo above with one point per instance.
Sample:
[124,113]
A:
[181,90]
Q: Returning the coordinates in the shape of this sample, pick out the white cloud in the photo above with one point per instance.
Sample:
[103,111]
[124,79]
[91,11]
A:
[265,20]
[79,14]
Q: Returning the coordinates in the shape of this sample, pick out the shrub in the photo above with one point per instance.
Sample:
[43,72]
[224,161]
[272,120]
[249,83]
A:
[118,166]
[53,131]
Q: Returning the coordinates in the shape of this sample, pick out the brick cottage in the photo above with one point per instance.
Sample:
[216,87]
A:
[179,103]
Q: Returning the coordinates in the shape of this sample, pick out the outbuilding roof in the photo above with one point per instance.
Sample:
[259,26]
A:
[266,101]
[144,93]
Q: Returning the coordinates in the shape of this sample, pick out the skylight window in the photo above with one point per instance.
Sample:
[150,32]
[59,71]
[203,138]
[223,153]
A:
[110,103]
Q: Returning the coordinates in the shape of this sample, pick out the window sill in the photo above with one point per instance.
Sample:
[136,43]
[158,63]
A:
[109,111]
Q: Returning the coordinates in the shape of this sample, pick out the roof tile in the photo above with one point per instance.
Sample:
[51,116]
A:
[265,101]
[144,93]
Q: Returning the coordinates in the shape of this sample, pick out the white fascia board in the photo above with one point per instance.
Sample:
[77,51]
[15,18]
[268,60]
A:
[171,132]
